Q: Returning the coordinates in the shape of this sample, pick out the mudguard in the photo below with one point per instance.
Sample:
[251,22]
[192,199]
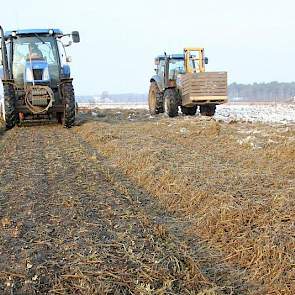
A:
[159,81]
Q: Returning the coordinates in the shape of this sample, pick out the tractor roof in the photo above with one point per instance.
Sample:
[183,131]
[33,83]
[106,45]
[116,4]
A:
[33,31]
[172,56]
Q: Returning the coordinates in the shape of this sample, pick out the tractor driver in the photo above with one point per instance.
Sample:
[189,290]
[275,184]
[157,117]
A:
[35,52]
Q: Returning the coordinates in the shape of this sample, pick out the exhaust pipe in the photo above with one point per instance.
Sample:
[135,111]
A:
[4,55]
[166,70]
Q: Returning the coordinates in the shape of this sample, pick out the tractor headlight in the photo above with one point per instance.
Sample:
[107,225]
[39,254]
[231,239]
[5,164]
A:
[29,75]
[13,34]
[50,32]
[46,74]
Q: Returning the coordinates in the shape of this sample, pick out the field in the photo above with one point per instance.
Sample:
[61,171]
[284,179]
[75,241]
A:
[125,203]
[246,112]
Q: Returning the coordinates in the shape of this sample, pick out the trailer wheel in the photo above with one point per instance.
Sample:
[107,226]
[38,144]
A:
[155,99]
[10,115]
[189,111]
[207,110]
[70,104]
[171,102]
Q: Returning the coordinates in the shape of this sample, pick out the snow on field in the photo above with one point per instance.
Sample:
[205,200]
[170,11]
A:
[124,106]
[266,113]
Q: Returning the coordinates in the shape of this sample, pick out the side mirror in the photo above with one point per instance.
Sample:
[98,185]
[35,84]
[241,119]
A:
[76,36]
[68,59]
[206,60]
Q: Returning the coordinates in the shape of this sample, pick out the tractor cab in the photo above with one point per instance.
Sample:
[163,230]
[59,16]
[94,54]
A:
[170,68]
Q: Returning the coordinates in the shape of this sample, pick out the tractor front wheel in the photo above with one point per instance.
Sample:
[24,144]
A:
[11,117]
[189,111]
[171,102]
[70,104]
[207,110]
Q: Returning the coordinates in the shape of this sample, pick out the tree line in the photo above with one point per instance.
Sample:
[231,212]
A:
[273,91]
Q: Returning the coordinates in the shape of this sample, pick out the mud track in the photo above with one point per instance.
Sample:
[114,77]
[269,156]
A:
[73,224]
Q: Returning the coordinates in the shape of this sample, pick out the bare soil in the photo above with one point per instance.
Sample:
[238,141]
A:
[128,204]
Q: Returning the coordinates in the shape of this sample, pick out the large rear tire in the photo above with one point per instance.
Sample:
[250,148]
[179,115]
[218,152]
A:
[207,110]
[189,111]
[70,104]
[11,117]
[171,102]
[155,99]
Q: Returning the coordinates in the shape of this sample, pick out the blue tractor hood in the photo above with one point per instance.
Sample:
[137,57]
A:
[36,71]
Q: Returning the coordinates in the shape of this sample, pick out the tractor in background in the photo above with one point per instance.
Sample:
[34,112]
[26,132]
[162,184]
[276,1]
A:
[36,77]
[182,81]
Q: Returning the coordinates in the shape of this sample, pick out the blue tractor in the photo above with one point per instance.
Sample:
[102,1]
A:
[36,76]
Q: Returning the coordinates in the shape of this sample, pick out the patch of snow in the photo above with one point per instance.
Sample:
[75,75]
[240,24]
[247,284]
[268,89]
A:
[251,131]
[230,113]
[245,140]
[183,130]
[280,113]
[249,140]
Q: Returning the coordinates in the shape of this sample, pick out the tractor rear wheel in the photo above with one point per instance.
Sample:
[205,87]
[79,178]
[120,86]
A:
[11,117]
[70,104]
[189,111]
[171,102]
[207,110]
[155,99]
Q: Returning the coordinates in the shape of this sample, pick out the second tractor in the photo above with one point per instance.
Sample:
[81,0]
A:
[181,81]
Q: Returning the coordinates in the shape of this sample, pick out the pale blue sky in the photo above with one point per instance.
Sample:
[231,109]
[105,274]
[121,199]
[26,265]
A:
[252,40]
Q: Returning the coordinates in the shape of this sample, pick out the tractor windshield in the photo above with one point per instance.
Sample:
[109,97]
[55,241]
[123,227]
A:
[176,67]
[26,49]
